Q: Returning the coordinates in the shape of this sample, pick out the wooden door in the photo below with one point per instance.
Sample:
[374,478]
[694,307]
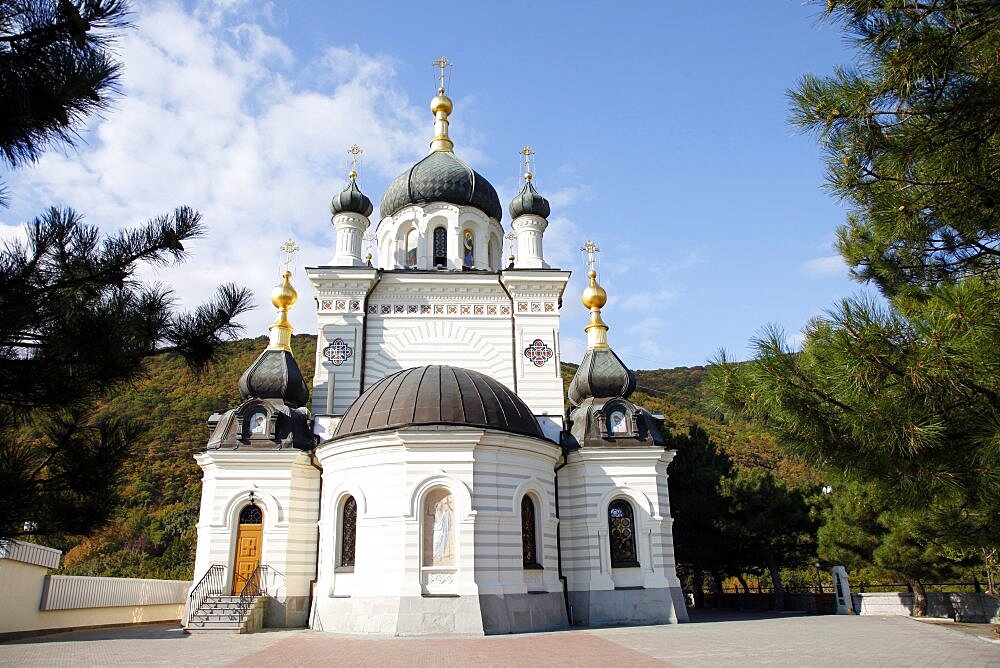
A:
[248,544]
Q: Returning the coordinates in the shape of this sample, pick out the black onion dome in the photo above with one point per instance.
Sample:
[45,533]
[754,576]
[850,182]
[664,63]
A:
[529,201]
[275,375]
[438,395]
[351,200]
[601,374]
[441,177]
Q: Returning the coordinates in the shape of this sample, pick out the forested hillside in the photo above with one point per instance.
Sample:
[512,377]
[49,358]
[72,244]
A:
[153,532]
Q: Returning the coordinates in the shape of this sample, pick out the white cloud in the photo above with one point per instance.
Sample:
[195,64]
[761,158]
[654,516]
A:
[216,114]
[830,265]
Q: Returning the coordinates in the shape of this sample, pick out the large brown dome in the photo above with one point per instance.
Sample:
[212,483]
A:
[433,395]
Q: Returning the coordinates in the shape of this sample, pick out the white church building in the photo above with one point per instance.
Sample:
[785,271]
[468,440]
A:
[434,482]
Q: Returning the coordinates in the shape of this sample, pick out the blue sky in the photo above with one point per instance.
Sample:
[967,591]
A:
[660,131]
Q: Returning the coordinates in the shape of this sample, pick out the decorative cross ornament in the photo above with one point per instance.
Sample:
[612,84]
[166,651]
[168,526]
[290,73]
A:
[289,248]
[442,63]
[355,151]
[511,237]
[527,152]
[591,249]
[538,352]
[337,352]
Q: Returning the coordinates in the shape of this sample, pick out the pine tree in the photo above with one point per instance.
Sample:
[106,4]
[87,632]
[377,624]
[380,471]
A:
[906,395]
[912,138]
[56,70]
[75,324]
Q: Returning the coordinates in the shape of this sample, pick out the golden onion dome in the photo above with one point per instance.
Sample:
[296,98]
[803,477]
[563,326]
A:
[594,295]
[283,296]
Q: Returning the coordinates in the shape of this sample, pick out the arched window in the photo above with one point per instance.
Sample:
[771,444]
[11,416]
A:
[468,250]
[491,254]
[439,528]
[621,533]
[251,515]
[440,247]
[529,544]
[411,248]
[348,532]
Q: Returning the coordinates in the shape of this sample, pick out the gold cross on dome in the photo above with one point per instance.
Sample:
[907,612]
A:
[511,237]
[442,63]
[591,249]
[289,248]
[527,152]
[355,151]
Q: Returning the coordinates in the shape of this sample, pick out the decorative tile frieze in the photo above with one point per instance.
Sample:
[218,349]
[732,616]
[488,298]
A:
[459,309]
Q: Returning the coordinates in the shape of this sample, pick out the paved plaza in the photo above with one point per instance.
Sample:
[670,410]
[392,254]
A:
[710,641]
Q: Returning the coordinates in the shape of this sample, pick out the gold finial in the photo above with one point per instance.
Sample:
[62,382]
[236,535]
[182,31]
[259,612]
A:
[527,152]
[594,297]
[355,151]
[283,296]
[511,237]
[441,107]
[370,239]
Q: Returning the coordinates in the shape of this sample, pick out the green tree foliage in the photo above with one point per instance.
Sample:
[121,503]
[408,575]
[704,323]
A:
[768,526]
[57,68]
[75,325]
[911,137]
[730,521]
[869,533]
[699,508]
[905,396]
[151,532]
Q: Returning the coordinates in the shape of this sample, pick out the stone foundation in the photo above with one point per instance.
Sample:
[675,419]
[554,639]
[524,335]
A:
[613,607]
[439,615]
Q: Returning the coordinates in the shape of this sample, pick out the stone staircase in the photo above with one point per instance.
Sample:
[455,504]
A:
[221,614]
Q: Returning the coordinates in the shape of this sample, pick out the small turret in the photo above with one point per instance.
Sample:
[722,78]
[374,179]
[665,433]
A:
[602,384]
[529,212]
[350,209]
[273,389]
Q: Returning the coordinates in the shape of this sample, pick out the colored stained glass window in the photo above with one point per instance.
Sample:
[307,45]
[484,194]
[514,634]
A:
[621,531]
[251,515]
[529,548]
[440,247]
[348,531]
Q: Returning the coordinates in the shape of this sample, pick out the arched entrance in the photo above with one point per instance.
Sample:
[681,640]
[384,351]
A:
[249,537]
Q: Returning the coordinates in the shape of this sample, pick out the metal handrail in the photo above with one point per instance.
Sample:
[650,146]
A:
[255,585]
[213,582]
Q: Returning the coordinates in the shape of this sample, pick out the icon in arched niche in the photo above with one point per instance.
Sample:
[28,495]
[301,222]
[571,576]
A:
[337,352]
[538,352]
[258,424]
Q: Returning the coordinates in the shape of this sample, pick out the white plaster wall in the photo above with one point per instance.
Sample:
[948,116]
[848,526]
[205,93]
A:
[340,298]
[425,218]
[388,474]
[591,479]
[286,487]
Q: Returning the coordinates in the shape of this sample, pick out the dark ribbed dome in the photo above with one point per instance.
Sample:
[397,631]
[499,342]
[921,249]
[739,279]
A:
[351,200]
[601,374]
[529,201]
[428,395]
[275,375]
[441,177]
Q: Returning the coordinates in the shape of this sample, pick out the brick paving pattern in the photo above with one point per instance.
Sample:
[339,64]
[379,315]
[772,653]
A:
[714,641]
